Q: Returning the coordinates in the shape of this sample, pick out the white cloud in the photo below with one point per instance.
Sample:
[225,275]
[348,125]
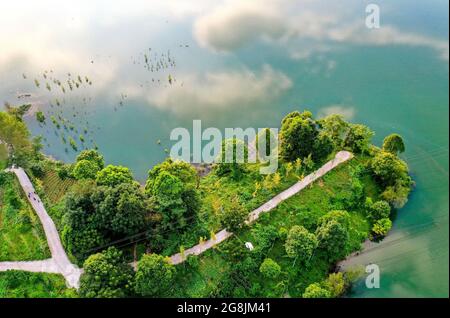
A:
[236,23]
[223,89]
[347,112]
[232,26]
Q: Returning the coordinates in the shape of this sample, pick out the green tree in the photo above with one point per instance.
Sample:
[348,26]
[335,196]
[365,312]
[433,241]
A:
[389,169]
[358,138]
[85,169]
[121,210]
[382,227]
[270,269]
[336,127]
[167,193]
[94,216]
[93,156]
[192,201]
[233,217]
[236,151]
[154,276]
[315,290]
[112,176]
[323,146]
[397,195]
[15,134]
[297,136]
[394,144]
[340,216]
[335,284]
[106,275]
[180,169]
[379,210]
[332,237]
[300,243]
[81,233]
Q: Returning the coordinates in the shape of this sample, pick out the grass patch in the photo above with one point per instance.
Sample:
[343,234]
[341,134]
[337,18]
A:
[18,284]
[54,187]
[3,156]
[21,234]
[216,267]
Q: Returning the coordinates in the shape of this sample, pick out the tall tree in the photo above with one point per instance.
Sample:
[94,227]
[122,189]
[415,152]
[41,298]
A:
[300,243]
[389,169]
[358,138]
[112,176]
[394,144]
[154,276]
[106,275]
[297,136]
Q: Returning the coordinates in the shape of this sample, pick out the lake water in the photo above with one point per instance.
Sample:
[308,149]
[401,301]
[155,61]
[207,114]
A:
[154,66]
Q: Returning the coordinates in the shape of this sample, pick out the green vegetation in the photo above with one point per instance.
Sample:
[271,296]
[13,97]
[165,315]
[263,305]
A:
[3,156]
[154,276]
[106,275]
[107,220]
[18,284]
[22,237]
[114,175]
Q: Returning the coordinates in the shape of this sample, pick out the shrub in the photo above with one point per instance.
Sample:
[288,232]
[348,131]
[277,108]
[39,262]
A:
[270,269]
[300,243]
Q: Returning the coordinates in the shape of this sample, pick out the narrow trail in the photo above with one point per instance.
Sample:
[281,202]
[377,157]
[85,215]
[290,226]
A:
[59,262]
[221,236]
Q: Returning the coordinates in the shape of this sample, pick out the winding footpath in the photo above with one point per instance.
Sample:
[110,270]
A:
[59,262]
[221,236]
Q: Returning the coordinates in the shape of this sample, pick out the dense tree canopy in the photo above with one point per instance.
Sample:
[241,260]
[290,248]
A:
[358,138]
[15,133]
[297,136]
[92,156]
[389,169]
[234,216]
[378,210]
[300,243]
[332,237]
[180,169]
[315,290]
[233,156]
[106,274]
[269,268]
[382,227]
[154,276]
[394,144]
[336,127]
[167,193]
[301,136]
[85,169]
[112,176]
[97,215]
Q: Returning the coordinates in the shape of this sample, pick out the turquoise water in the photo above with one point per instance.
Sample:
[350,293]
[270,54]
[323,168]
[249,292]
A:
[391,87]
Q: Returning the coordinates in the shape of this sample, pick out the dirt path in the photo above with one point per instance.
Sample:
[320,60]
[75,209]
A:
[59,263]
[221,236]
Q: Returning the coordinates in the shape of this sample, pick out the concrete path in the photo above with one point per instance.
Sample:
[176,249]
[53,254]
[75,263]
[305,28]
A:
[59,262]
[221,236]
